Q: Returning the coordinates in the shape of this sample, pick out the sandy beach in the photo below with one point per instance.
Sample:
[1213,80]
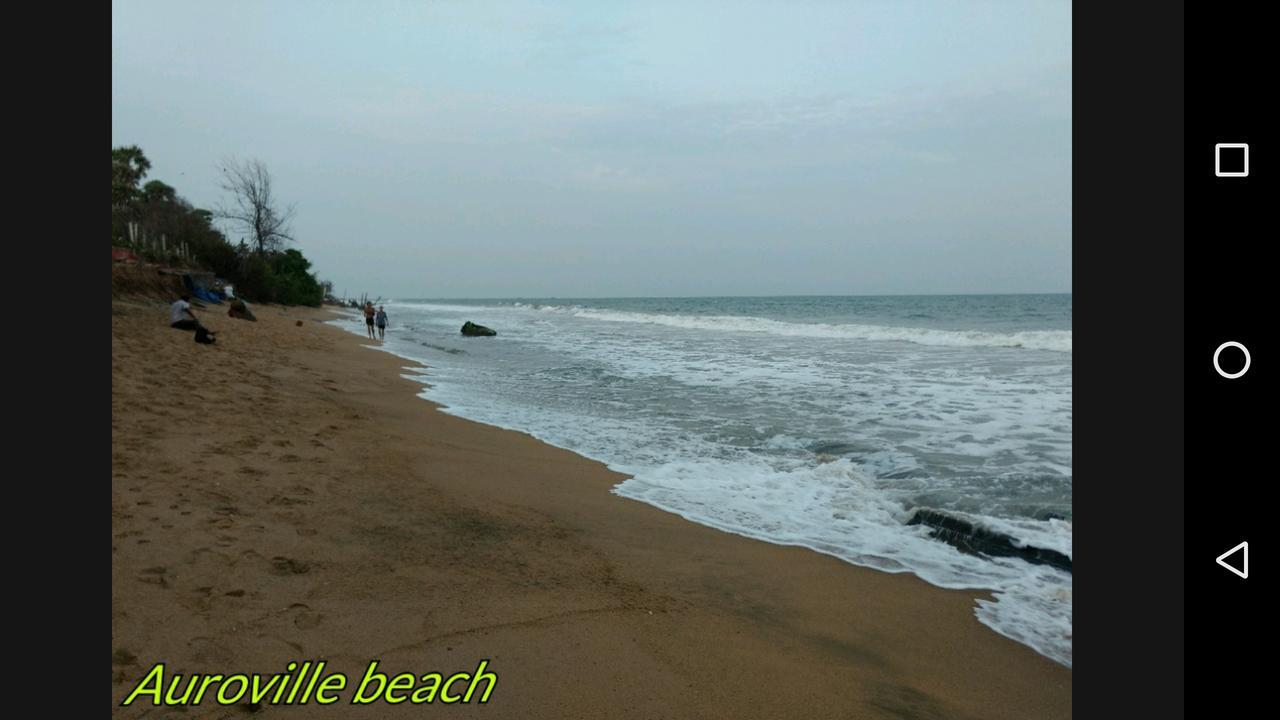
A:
[284,496]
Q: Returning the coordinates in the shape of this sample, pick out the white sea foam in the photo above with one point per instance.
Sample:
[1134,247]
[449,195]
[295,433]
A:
[1055,340]
[725,427]
[835,509]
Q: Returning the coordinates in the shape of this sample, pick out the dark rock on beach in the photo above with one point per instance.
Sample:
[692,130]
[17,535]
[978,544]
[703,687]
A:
[473,330]
[969,538]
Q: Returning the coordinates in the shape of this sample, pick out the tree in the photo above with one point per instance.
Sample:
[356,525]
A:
[261,270]
[254,208]
[294,285]
[128,167]
[156,192]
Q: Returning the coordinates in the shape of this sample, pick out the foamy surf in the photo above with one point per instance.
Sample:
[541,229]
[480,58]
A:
[1053,340]
[833,508]
[808,427]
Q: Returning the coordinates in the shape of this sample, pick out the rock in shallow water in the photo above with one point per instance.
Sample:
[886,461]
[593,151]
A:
[474,330]
[969,538]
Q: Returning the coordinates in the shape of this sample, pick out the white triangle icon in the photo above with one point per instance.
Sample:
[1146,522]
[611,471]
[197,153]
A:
[1242,546]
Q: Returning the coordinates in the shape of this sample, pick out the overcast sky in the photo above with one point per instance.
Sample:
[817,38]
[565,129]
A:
[601,148]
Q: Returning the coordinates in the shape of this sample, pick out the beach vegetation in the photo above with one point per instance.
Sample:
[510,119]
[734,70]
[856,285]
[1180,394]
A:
[128,167]
[160,226]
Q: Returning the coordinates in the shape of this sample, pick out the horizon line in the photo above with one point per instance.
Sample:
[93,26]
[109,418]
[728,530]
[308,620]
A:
[780,295]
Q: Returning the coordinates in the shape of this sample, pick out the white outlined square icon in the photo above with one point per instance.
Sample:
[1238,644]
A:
[1231,159]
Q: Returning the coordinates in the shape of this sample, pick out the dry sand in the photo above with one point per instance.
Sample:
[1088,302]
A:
[283,495]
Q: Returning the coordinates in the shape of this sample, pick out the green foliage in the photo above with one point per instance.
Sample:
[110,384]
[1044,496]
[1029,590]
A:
[280,277]
[219,257]
[158,211]
[294,285]
[157,193]
[254,279]
[128,167]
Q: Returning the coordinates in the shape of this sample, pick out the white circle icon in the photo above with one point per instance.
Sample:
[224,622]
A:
[1224,346]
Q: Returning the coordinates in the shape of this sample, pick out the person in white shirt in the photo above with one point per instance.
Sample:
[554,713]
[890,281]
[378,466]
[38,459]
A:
[180,315]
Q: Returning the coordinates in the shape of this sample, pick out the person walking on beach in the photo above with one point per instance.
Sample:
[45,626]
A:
[382,322]
[368,319]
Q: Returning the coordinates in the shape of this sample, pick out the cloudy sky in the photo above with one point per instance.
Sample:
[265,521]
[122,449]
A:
[601,148]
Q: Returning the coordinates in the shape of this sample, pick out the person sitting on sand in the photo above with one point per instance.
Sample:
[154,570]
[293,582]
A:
[181,308]
[382,323]
[368,319]
[240,310]
[180,315]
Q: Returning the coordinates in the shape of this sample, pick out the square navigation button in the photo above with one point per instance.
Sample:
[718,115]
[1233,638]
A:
[1231,160]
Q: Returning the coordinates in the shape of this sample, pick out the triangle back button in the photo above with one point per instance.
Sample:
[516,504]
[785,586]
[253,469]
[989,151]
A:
[1243,570]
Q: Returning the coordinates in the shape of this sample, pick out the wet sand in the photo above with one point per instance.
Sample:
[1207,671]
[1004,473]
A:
[284,495]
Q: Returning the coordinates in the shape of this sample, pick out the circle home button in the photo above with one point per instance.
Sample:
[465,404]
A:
[1230,372]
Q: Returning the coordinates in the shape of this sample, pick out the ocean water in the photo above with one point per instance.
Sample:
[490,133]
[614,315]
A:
[825,422]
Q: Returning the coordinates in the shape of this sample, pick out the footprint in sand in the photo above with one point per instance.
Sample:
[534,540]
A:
[154,576]
[203,600]
[286,501]
[306,620]
[288,566]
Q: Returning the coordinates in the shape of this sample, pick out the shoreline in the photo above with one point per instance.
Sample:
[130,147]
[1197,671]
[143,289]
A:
[984,594]
[332,514]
